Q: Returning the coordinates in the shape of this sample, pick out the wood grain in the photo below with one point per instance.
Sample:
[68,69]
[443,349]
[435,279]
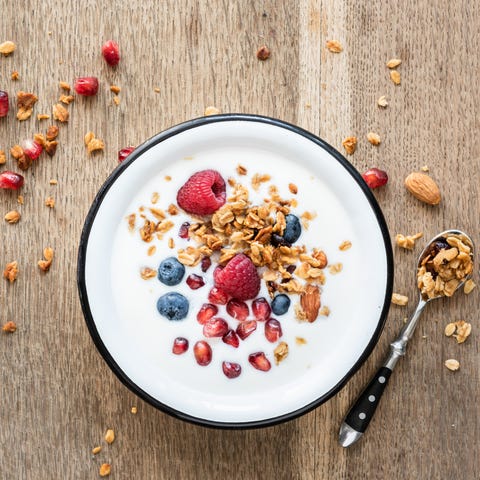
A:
[57,395]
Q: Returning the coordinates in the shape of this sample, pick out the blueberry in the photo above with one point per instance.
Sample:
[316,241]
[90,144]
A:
[171,271]
[173,306]
[280,304]
[293,228]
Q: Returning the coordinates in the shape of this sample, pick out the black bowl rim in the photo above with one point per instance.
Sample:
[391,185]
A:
[83,250]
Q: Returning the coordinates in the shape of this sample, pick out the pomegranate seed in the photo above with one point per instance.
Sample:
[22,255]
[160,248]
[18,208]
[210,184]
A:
[11,180]
[111,52]
[246,328]
[231,338]
[202,352]
[3,103]
[231,370]
[261,309]
[237,309]
[375,178]
[183,231]
[259,361]
[87,86]
[206,312]
[195,281]
[180,345]
[215,327]
[217,296]
[273,330]
[31,148]
[205,263]
[124,153]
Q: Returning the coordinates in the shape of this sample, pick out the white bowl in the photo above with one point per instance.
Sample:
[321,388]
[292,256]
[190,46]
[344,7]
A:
[120,307]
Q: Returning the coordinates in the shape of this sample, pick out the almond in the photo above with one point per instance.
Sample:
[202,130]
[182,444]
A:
[310,302]
[423,187]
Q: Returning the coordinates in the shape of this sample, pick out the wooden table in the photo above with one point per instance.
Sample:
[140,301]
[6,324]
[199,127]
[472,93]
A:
[58,397]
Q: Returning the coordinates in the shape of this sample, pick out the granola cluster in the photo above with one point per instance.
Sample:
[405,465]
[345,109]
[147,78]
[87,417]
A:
[444,267]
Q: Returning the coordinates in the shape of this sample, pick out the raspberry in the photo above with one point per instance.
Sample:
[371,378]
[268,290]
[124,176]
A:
[239,278]
[87,86]
[203,193]
[111,53]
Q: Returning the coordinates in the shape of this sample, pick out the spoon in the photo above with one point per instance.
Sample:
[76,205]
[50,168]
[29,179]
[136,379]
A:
[362,411]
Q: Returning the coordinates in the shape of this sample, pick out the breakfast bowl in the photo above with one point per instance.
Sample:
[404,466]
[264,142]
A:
[235,271]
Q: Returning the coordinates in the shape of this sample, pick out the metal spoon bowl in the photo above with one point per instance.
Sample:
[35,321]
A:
[362,411]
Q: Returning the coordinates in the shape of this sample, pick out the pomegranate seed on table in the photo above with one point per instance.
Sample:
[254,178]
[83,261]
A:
[11,180]
[259,361]
[231,338]
[183,230]
[215,327]
[180,345]
[245,329]
[3,103]
[195,281]
[111,52]
[205,263]
[237,309]
[261,309]
[124,153]
[217,296]
[231,369]
[87,86]
[273,330]
[206,312]
[202,352]
[31,148]
[375,178]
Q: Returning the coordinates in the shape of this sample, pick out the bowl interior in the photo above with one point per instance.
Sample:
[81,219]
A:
[120,307]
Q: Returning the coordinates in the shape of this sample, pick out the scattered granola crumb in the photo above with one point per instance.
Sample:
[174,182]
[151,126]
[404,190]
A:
[395,77]
[211,111]
[334,46]
[50,202]
[93,144]
[324,311]
[373,138]
[96,450]
[156,90]
[335,268]
[172,209]
[345,245]
[66,99]
[9,327]
[308,105]
[131,221]
[425,169]
[450,329]
[11,271]
[65,86]
[15,75]
[116,100]
[43,116]
[134,410]
[53,181]
[263,53]
[154,198]
[105,469]
[281,352]
[460,330]
[12,217]
[452,364]
[20,199]
[44,265]
[25,103]
[258,179]
[407,241]
[168,178]
[6,48]
[398,299]
[350,145]
[469,286]
[151,250]
[171,243]
[109,436]
[293,188]
[115,89]
[382,101]
[393,63]
[147,273]
[300,341]
[60,113]
[241,170]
